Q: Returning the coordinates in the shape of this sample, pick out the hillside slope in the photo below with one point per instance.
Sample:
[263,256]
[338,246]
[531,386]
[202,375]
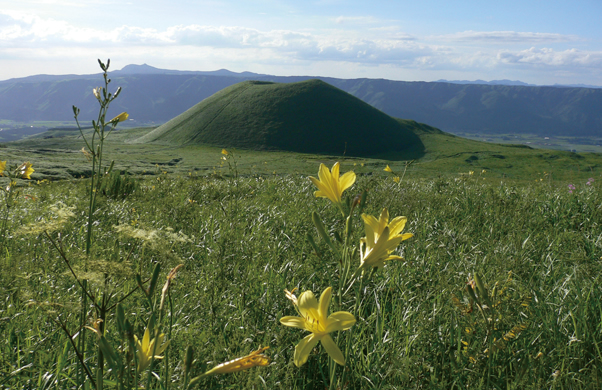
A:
[307,117]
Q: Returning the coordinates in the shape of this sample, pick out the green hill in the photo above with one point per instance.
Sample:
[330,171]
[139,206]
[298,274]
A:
[306,117]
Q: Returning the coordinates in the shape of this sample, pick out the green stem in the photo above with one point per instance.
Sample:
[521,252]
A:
[349,334]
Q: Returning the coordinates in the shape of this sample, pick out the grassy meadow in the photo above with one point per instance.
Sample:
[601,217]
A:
[169,264]
[243,241]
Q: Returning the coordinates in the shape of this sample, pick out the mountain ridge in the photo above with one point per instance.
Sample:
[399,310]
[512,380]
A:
[158,95]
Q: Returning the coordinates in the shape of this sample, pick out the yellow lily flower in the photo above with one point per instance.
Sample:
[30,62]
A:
[382,237]
[120,118]
[255,358]
[225,152]
[375,227]
[388,169]
[144,349]
[330,185]
[2,167]
[375,254]
[25,170]
[313,318]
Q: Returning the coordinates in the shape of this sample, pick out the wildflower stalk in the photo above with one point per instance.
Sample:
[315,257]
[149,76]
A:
[95,143]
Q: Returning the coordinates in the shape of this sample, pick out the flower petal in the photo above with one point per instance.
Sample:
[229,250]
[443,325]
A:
[325,190]
[295,322]
[397,225]
[324,304]
[335,171]
[308,305]
[333,351]
[303,349]
[146,340]
[345,320]
[405,236]
[346,181]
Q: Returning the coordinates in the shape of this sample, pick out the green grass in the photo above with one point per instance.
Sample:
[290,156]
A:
[245,243]
[57,154]
[307,117]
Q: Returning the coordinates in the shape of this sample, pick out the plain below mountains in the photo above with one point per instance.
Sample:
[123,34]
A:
[152,95]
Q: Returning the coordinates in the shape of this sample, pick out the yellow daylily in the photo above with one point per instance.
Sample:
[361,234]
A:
[148,347]
[375,255]
[2,167]
[225,152]
[25,170]
[121,117]
[255,358]
[382,237]
[388,169]
[330,185]
[375,227]
[314,318]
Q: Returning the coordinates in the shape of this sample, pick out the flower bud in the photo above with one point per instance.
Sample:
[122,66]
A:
[120,118]
[97,92]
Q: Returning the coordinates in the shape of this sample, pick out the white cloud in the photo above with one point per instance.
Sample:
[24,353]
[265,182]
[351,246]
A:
[551,58]
[503,37]
[29,37]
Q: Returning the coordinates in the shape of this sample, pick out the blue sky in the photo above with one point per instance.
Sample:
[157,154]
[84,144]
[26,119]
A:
[538,42]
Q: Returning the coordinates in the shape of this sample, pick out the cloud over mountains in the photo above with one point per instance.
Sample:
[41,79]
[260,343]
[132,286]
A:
[372,43]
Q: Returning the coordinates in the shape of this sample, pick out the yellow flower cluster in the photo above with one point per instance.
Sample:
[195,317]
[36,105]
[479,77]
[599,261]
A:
[23,171]
[382,237]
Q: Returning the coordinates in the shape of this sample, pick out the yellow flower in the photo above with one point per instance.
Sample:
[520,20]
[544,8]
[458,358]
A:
[144,349]
[225,152]
[396,179]
[313,318]
[388,169]
[255,358]
[330,185]
[375,227]
[376,254]
[2,167]
[382,237]
[120,118]
[25,170]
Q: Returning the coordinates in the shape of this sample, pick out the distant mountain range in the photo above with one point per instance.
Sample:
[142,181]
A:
[152,95]
[517,82]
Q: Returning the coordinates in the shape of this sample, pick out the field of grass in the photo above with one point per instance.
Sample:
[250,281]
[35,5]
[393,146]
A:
[57,156]
[241,234]
[154,267]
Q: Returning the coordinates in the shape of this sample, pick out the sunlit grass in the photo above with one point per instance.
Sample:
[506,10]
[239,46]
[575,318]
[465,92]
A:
[539,243]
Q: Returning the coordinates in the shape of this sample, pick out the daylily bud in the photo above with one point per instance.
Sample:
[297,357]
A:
[188,358]
[120,118]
